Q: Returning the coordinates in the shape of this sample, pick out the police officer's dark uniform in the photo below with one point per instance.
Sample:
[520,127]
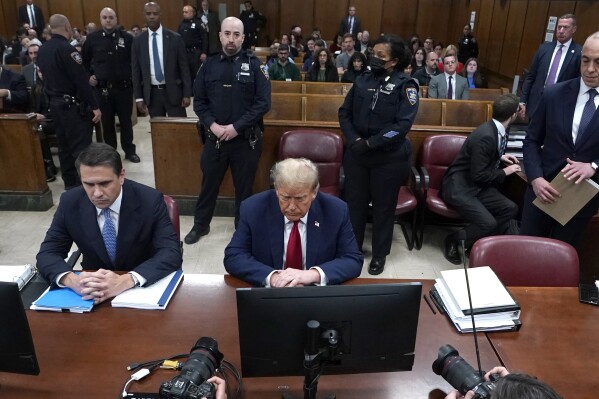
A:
[467,48]
[229,89]
[66,83]
[253,21]
[107,55]
[196,43]
[375,118]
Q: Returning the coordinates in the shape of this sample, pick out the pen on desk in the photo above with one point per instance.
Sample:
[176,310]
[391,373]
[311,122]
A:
[428,302]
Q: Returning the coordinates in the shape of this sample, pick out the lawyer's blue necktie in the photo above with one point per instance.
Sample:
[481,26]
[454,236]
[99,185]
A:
[109,234]
[587,114]
[157,68]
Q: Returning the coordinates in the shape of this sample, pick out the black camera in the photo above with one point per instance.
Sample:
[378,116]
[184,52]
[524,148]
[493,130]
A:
[204,359]
[461,375]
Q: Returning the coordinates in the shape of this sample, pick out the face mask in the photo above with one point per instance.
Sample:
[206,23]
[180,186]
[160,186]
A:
[377,66]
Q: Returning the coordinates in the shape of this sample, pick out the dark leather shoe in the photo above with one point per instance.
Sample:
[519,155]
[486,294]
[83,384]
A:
[194,235]
[133,158]
[450,251]
[377,265]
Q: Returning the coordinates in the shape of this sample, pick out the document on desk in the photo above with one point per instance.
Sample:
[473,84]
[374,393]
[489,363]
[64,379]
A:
[489,295]
[17,274]
[155,296]
[573,198]
[62,300]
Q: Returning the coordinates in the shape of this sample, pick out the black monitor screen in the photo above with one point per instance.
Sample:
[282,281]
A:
[377,327]
[17,354]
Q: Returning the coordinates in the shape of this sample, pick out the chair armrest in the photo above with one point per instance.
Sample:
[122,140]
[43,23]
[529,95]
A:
[416,178]
[425,179]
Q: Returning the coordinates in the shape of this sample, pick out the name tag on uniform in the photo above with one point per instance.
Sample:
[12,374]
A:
[244,73]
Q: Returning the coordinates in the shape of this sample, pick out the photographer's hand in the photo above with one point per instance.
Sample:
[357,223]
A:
[221,387]
[457,395]
[501,371]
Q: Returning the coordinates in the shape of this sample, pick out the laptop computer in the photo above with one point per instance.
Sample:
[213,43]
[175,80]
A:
[588,293]
[17,353]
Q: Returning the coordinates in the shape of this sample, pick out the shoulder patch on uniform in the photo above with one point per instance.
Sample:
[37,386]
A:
[264,70]
[76,57]
[412,95]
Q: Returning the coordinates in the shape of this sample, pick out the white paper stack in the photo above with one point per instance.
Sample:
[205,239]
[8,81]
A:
[494,307]
[17,274]
[155,296]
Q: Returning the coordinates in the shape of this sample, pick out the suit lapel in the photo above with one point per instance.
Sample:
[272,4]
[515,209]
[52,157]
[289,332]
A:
[165,47]
[276,231]
[313,233]
[89,224]
[568,101]
[128,225]
[567,59]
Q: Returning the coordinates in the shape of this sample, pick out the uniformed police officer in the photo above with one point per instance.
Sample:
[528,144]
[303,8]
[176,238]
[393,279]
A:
[375,118]
[253,21]
[467,45]
[231,95]
[107,56]
[70,96]
[195,38]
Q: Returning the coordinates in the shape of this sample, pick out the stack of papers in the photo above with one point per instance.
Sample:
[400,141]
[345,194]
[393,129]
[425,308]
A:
[155,296]
[494,307]
[17,274]
[62,300]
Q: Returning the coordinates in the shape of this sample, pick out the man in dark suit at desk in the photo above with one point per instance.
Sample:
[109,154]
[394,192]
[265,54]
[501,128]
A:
[563,137]
[116,223]
[471,183]
[13,91]
[553,62]
[160,73]
[294,235]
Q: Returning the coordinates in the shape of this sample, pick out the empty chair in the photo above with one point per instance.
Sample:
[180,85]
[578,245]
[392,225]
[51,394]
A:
[322,147]
[528,261]
[438,152]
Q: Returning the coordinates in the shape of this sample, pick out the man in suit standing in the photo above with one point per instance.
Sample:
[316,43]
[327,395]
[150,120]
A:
[350,23]
[471,183]
[13,91]
[161,81]
[211,25]
[553,62]
[449,84]
[563,137]
[294,235]
[116,223]
[31,14]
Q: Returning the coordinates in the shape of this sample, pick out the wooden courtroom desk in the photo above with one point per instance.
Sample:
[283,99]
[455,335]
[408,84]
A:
[557,342]
[85,355]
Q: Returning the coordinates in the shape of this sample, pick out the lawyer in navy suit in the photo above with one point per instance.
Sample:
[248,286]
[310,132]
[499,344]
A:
[556,143]
[536,79]
[258,252]
[13,91]
[438,86]
[146,242]
[471,183]
[171,93]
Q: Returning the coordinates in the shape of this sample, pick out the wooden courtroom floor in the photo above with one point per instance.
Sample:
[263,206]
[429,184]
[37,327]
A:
[21,233]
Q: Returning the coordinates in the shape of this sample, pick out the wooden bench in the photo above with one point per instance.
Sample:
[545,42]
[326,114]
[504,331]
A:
[23,185]
[310,87]
[475,94]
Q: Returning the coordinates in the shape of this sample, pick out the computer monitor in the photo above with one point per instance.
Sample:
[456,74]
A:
[376,325]
[17,353]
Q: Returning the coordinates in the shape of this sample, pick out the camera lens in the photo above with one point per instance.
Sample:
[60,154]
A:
[455,370]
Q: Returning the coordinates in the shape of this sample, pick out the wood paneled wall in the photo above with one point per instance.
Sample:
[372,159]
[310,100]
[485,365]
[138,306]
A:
[508,31]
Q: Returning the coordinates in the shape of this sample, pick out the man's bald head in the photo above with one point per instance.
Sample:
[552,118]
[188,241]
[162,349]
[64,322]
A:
[231,35]
[60,25]
[589,62]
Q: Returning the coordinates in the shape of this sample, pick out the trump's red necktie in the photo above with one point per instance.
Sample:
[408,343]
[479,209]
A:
[293,257]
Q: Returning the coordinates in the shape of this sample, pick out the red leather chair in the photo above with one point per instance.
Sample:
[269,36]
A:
[528,261]
[438,152]
[322,147]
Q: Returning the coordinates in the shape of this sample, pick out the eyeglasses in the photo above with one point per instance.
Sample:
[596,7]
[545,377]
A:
[449,62]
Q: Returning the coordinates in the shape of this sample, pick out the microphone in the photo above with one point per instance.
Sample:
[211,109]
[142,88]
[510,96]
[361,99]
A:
[461,236]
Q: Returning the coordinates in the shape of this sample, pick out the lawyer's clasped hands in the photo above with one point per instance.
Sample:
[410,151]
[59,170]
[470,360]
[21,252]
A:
[98,285]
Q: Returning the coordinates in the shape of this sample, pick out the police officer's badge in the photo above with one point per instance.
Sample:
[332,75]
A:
[121,42]
[76,57]
[264,70]
[412,95]
[245,67]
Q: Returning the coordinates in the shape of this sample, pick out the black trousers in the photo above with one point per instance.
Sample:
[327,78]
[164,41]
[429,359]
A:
[535,222]
[74,134]
[243,160]
[193,60]
[119,102]
[377,177]
[160,106]
[487,213]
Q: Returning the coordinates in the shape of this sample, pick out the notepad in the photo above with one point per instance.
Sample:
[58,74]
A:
[155,296]
[17,274]
[62,300]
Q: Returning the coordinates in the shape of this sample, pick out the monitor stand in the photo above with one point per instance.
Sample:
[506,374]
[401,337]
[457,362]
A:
[315,357]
